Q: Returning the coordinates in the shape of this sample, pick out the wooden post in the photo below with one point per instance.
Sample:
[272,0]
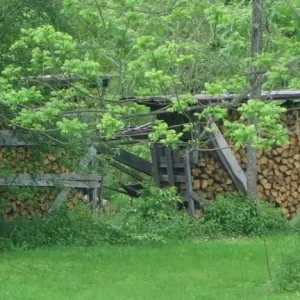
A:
[155,165]
[95,199]
[61,197]
[100,192]
[189,186]
[170,170]
[228,159]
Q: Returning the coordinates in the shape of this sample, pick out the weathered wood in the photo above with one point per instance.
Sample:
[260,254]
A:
[129,159]
[162,101]
[200,200]
[95,198]
[228,159]
[170,166]
[194,157]
[52,177]
[127,171]
[177,178]
[50,180]
[175,165]
[189,188]
[85,161]
[16,138]
[155,162]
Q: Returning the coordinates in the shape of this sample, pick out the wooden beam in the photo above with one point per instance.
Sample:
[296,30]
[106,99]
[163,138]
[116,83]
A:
[228,159]
[155,165]
[170,166]
[175,165]
[177,178]
[127,171]
[199,199]
[67,180]
[16,138]
[189,185]
[162,100]
[129,159]
[85,161]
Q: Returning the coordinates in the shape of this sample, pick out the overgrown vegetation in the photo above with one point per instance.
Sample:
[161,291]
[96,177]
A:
[154,218]
[238,216]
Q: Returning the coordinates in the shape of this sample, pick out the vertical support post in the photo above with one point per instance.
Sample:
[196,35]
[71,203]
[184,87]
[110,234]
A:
[62,196]
[189,186]
[155,165]
[95,199]
[100,192]
[170,170]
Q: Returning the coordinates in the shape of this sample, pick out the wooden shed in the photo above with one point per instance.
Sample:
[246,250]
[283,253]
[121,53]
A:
[201,174]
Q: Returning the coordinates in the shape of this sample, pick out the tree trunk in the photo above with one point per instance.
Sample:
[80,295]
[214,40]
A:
[256,86]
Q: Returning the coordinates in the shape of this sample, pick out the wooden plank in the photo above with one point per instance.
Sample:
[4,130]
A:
[51,177]
[46,183]
[188,182]
[129,159]
[199,199]
[194,157]
[163,100]
[95,198]
[177,159]
[127,171]
[177,178]
[228,159]
[85,161]
[16,138]
[155,161]
[175,165]
[170,166]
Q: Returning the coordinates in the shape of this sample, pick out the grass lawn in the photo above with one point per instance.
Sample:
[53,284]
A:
[220,270]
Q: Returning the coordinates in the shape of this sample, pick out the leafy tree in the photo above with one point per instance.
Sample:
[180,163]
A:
[173,47]
[17,14]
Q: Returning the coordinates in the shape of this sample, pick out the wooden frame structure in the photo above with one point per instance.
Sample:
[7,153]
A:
[165,169]
[66,182]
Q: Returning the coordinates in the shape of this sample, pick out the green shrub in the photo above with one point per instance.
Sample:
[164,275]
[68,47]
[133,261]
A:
[238,216]
[63,228]
[153,218]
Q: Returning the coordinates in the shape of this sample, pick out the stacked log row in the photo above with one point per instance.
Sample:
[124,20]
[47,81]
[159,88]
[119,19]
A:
[210,178]
[28,160]
[29,201]
[278,174]
[278,171]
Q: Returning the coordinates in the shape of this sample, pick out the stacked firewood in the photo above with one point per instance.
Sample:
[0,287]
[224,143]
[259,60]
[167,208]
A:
[210,178]
[34,161]
[278,174]
[278,171]
[29,201]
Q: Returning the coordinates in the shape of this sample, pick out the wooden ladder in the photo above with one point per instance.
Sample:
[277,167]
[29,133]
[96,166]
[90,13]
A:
[169,168]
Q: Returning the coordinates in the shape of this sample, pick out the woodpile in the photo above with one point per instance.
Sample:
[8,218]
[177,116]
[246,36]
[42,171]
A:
[278,174]
[210,178]
[30,160]
[30,201]
[278,171]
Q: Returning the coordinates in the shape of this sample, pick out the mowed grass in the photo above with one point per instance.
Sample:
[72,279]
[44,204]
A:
[229,269]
